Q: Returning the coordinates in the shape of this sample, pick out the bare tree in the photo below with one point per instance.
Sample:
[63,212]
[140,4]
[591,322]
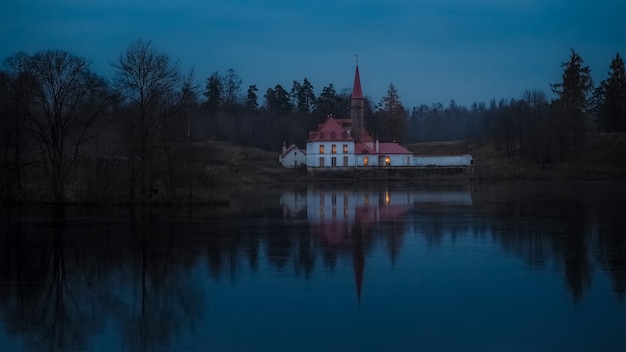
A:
[146,78]
[67,101]
[16,88]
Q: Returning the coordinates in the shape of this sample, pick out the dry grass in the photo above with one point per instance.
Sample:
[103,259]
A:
[602,157]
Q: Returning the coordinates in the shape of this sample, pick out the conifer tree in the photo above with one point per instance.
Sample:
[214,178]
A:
[611,98]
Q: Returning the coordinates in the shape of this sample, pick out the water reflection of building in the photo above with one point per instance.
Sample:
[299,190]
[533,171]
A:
[346,219]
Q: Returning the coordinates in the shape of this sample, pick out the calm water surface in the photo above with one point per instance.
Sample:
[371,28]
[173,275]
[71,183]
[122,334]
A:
[509,267]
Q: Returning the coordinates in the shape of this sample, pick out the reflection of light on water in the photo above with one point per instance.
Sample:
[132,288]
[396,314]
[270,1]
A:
[316,205]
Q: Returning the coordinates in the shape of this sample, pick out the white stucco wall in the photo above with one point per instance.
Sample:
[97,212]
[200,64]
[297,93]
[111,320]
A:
[293,158]
[313,154]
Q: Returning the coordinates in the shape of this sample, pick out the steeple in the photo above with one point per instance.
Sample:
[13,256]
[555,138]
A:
[357,93]
[357,108]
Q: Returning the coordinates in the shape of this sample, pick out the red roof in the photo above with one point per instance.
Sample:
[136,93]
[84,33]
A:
[392,148]
[330,130]
[357,93]
[383,148]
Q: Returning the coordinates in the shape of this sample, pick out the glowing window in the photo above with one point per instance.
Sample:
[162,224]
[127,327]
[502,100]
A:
[345,149]
[366,161]
[321,149]
[333,149]
[388,161]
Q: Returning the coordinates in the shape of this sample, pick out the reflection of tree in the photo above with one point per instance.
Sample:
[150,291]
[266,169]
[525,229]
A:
[61,280]
[163,301]
[546,223]
[612,246]
[52,301]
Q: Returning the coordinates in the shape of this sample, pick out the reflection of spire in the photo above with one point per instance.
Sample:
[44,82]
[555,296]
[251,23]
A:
[358,263]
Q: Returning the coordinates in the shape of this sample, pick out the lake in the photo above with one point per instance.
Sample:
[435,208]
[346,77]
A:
[531,266]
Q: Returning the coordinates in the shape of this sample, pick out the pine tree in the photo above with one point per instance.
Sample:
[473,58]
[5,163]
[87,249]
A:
[251,102]
[611,98]
[569,111]
[213,93]
[392,116]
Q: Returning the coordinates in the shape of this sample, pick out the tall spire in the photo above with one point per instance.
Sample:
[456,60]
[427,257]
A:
[357,93]
[357,108]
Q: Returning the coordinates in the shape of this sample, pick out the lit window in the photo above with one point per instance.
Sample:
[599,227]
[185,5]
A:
[333,149]
[345,149]
[366,161]
[321,149]
[388,161]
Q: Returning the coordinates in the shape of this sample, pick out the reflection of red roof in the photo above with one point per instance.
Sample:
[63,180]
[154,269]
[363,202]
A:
[330,130]
[334,233]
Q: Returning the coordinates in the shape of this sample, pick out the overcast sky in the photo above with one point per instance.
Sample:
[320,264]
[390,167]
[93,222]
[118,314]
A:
[431,50]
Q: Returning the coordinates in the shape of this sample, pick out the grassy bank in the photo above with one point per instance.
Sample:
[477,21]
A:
[218,174]
[603,157]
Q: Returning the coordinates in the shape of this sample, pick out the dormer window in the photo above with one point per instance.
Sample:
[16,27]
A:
[333,135]
[344,135]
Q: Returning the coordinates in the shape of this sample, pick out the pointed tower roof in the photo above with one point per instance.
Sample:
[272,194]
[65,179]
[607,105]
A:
[356,90]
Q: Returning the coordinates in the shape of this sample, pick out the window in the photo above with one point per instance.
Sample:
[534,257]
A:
[321,149]
[333,149]
[333,161]
[345,149]
[366,161]
[388,161]
[345,161]
[321,162]
[333,135]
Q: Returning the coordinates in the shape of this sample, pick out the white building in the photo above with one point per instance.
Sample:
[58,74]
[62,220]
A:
[292,157]
[345,143]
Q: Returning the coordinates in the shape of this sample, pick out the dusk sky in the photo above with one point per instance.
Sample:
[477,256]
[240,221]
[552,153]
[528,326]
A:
[431,50]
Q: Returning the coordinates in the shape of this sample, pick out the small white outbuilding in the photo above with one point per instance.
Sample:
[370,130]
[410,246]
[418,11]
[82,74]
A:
[292,156]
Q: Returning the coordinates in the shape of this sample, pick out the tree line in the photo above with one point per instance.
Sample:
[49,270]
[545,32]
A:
[142,124]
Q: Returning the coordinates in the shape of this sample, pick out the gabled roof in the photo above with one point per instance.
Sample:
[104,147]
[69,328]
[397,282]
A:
[362,148]
[392,148]
[383,149]
[293,147]
[330,130]
[357,93]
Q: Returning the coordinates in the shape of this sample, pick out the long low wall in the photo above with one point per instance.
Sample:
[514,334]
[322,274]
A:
[443,160]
